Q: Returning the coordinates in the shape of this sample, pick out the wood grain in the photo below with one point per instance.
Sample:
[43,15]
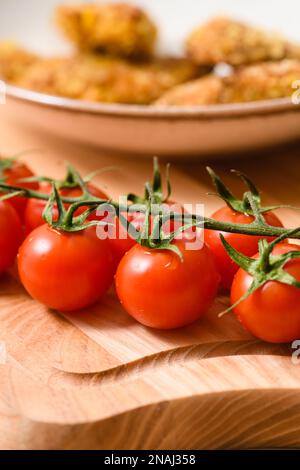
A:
[96,379]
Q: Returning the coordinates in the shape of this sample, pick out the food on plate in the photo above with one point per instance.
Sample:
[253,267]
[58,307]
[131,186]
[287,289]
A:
[107,79]
[272,312]
[263,81]
[161,290]
[206,90]
[119,29]
[14,61]
[114,61]
[222,39]
[65,270]
[11,235]
[13,171]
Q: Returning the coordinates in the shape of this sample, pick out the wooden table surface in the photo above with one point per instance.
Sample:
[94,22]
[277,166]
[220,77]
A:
[97,379]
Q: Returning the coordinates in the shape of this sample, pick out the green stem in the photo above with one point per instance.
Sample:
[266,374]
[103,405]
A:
[67,221]
[250,229]
[246,229]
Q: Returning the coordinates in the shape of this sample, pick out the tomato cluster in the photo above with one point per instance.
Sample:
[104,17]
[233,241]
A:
[164,285]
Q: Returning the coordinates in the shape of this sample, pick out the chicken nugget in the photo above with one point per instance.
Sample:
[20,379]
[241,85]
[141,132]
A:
[118,29]
[205,90]
[13,61]
[250,83]
[235,43]
[107,79]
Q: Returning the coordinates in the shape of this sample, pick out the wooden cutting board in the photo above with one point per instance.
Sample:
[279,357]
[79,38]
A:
[97,379]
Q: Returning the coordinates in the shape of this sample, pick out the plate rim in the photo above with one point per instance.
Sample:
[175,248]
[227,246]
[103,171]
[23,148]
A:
[220,111]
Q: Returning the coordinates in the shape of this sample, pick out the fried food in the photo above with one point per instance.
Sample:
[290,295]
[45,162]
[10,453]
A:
[233,42]
[117,29]
[107,79]
[14,61]
[250,83]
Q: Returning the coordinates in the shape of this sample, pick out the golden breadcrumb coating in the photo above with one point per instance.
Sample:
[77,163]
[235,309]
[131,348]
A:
[13,61]
[225,40]
[107,79]
[251,83]
[117,29]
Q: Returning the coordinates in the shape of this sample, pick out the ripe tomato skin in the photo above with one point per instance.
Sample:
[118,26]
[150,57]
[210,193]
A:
[246,244]
[122,241]
[272,313]
[33,216]
[160,291]
[16,172]
[65,271]
[11,235]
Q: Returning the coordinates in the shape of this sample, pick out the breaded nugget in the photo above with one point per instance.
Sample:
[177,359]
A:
[13,61]
[206,90]
[118,29]
[233,42]
[107,79]
[250,83]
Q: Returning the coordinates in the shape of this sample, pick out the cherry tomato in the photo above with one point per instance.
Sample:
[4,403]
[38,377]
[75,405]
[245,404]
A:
[161,291]
[12,175]
[33,216]
[272,313]
[65,270]
[123,242]
[10,235]
[246,244]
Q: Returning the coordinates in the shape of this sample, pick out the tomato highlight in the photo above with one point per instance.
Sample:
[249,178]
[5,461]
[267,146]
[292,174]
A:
[162,291]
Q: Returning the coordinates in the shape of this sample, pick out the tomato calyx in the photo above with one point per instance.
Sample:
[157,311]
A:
[72,180]
[265,268]
[152,234]
[155,188]
[156,213]
[243,205]
[157,239]
[66,220]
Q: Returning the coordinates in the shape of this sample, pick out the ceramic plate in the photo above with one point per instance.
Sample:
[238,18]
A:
[143,130]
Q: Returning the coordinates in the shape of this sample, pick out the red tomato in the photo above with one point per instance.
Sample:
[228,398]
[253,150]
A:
[10,235]
[65,270]
[33,216]
[12,175]
[123,242]
[161,291]
[272,313]
[246,244]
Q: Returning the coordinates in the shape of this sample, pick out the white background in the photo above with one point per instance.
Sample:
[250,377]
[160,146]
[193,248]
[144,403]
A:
[29,21]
